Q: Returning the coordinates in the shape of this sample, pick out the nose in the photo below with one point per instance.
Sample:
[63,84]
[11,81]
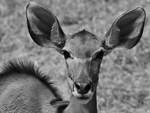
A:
[83,88]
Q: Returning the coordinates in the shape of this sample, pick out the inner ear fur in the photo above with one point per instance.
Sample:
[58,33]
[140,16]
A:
[127,30]
[44,27]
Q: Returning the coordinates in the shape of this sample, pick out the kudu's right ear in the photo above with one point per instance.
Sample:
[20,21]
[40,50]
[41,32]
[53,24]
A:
[44,27]
[126,31]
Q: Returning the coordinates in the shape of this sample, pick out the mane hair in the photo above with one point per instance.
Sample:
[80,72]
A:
[27,67]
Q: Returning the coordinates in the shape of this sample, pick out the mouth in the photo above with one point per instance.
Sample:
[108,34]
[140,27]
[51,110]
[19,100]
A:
[83,97]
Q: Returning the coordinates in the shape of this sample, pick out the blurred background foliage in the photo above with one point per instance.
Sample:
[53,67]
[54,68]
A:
[124,82]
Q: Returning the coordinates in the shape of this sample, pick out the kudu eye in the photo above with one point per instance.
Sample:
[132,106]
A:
[67,54]
[98,54]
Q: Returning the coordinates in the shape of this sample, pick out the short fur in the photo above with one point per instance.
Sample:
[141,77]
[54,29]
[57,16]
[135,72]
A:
[82,44]
[26,67]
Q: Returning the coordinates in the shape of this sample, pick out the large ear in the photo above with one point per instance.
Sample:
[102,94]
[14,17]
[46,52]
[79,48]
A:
[127,30]
[44,27]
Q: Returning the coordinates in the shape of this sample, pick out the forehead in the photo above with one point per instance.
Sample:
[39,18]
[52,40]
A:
[82,44]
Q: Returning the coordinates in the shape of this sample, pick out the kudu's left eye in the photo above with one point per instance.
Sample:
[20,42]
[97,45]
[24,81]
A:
[66,54]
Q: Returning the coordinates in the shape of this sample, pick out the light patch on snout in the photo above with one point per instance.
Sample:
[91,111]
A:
[83,98]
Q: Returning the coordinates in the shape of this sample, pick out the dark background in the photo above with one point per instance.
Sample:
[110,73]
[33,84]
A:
[124,84]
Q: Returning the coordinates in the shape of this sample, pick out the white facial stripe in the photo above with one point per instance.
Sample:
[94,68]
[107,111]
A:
[75,93]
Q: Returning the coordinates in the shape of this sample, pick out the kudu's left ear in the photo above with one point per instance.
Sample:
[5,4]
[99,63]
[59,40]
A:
[44,27]
[127,30]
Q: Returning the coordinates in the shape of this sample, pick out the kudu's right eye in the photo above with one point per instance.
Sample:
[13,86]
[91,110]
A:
[67,54]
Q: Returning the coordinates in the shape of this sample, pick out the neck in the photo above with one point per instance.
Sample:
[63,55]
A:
[77,107]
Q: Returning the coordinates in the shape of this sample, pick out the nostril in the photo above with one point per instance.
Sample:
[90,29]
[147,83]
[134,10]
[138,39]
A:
[77,85]
[87,87]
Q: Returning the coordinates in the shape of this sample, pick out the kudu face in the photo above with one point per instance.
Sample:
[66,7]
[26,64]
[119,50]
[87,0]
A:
[83,54]
[82,51]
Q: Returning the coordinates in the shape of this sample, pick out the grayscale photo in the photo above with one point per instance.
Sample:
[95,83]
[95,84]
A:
[74,56]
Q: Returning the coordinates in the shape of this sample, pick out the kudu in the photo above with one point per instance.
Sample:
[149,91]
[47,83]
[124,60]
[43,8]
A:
[23,90]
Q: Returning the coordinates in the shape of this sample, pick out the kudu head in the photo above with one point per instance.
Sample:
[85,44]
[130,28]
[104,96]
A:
[83,51]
